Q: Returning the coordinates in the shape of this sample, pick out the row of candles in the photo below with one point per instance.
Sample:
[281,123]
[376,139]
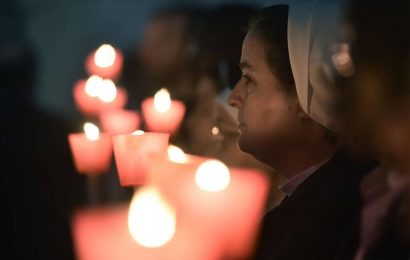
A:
[185,206]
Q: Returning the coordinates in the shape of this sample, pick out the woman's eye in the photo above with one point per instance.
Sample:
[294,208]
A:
[247,79]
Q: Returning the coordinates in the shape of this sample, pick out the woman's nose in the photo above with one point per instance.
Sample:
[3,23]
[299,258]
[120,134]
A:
[236,97]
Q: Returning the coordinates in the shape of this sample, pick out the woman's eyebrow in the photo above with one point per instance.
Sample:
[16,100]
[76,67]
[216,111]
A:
[245,64]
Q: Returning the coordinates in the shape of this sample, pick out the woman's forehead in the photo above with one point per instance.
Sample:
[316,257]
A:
[253,54]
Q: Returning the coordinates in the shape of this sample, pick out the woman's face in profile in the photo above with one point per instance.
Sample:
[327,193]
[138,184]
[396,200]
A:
[267,115]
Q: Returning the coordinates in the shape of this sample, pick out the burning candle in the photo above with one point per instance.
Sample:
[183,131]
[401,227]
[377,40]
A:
[161,114]
[86,95]
[119,121]
[91,150]
[132,155]
[106,62]
[207,196]
[96,95]
[151,221]
[105,234]
[112,97]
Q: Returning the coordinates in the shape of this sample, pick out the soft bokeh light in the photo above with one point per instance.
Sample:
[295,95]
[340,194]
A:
[91,131]
[212,176]
[151,221]
[176,154]
[162,100]
[342,60]
[108,91]
[93,85]
[215,130]
[105,56]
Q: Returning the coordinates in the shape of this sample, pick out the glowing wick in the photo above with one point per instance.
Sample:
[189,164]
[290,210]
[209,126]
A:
[91,131]
[175,154]
[108,91]
[93,85]
[138,132]
[105,56]
[151,221]
[162,100]
[212,176]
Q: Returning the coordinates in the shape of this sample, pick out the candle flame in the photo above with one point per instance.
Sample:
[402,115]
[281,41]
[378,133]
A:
[151,221]
[93,85]
[176,154]
[108,91]
[162,100]
[138,132]
[105,56]
[212,176]
[91,131]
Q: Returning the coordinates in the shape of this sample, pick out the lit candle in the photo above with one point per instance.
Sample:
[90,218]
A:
[86,95]
[91,150]
[104,234]
[161,114]
[111,96]
[207,196]
[151,221]
[96,95]
[119,121]
[106,62]
[132,155]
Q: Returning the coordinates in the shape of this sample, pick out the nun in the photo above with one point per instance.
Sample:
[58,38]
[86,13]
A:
[286,101]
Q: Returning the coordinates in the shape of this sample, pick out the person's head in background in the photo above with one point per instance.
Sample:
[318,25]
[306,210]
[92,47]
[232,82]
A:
[168,47]
[274,126]
[375,75]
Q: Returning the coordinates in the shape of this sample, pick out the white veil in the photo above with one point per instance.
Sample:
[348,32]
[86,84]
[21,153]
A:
[313,29]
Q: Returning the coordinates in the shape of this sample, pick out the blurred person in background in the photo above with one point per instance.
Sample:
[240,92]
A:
[38,184]
[375,76]
[285,108]
[167,49]
[165,59]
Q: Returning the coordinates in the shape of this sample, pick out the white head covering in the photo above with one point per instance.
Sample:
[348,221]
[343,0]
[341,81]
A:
[313,29]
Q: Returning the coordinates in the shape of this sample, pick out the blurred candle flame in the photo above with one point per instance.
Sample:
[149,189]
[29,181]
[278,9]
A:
[151,221]
[105,56]
[138,132]
[91,131]
[212,176]
[108,91]
[176,154]
[162,100]
[93,85]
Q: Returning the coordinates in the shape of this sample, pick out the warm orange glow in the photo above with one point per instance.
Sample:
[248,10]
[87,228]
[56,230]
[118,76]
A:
[212,176]
[151,221]
[93,85]
[105,56]
[176,154]
[108,91]
[162,100]
[91,131]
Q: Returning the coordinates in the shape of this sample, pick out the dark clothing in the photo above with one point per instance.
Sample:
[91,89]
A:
[392,235]
[321,219]
[38,185]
